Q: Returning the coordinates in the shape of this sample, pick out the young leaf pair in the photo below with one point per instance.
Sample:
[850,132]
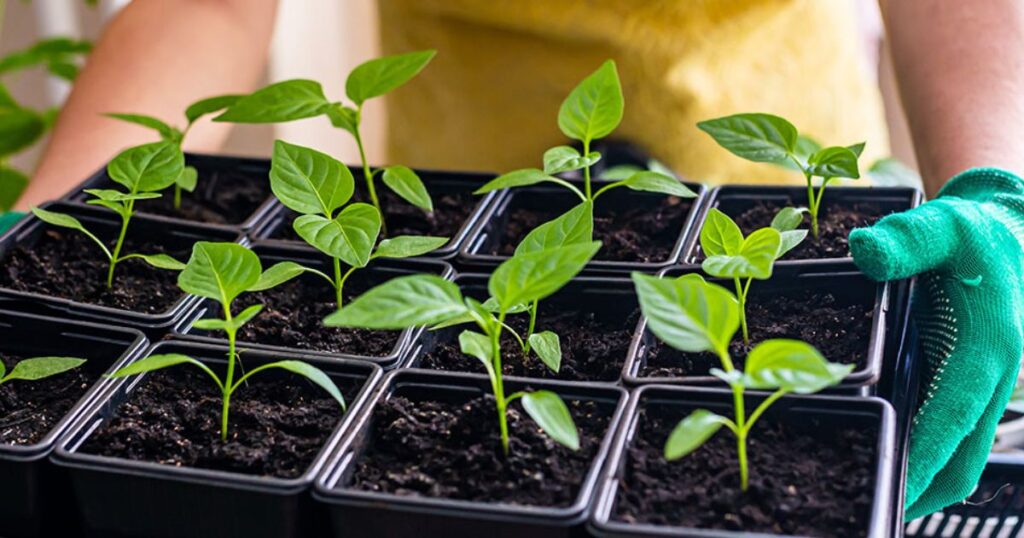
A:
[222,272]
[38,368]
[524,279]
[767,138]
[189,176]
[730,255]
[694,316]
[316,186]
[298,99]
[143,171]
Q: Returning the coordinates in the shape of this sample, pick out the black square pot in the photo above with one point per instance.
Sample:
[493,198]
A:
[479,251]
[220,175]
[121,497]
[383,269]
[105,224]
[277,228]
[733,200]
[609,299]
[34,499]
[363,513]
[849,286]
[873,412]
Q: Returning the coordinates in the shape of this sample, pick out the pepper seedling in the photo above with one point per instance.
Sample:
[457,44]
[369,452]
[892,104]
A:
[144,171]
[591,111]
[730,255]
[38,368]
[298,99]
[316,186]
[189,176]
[767,138]
[222,272]
[694,316]
[416,300]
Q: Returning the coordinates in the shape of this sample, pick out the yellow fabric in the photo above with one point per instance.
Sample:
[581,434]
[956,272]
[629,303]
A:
[489,100]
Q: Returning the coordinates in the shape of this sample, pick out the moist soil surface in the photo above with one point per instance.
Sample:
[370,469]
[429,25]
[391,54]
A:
[813,480]
[276,426]
[293,317]
[442,449]
[593,347]
[69,265]
[221,197]
[642,234]
[839,330]
[30,409]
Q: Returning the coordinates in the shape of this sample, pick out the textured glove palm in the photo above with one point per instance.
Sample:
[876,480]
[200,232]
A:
[966,244]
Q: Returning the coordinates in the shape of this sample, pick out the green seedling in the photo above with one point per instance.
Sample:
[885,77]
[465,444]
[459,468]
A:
[771,139]
[222,272]
[21,126]
[189,176]
[317,186]
[143,171]
[591,111]
[417,300]
[694,316]
[298,99]
[743,259]
[38,368]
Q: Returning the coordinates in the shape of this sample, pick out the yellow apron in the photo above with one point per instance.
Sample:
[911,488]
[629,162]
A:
[490,98]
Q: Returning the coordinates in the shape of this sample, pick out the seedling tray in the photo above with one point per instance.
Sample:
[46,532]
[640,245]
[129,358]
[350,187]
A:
[136,498]
[380,270]
[841,410]
[364,513]
[34,497]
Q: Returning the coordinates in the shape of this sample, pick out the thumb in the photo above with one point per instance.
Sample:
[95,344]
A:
[908,243]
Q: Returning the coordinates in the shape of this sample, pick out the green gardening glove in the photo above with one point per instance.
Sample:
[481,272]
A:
[8,219]
[966,245]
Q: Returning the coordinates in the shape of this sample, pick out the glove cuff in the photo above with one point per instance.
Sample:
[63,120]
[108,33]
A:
[8,219]
[983,184]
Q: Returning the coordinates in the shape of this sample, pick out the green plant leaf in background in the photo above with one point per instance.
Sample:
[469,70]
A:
[147,168]
[835,161]
[381,75]
[755,137]
[692,432]
[593,109]
[12,184]
[407,246]
[288,100]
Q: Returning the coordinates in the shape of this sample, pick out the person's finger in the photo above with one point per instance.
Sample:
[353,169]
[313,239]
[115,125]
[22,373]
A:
[908,243]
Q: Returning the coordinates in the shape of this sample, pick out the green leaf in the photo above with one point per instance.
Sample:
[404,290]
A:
[857,148]
[647,181]
[548,349]
[278,274]
[692,432]
[47,51]
[402,302]
[245,316]
[111,195]
[620,172]
[720,236]
[58,219]
[160,261]
[755,137]
[350,236]
[12,184]
[477,345]
[6,99]
[754,259]
[19,129]
[408,186]
[312,373]
[63,69]
[791,365]
[188,179]
[517,178]
[890,172]
[564,158]
[525,278]
[42,367]
[283,101]
[156,362]
[308,181]
[167,133]
[381,75]
[209,105]
[344,117]
[212,324]
[220,271]
[594,108]
[407,246]
[688,313]
[789,240]
[552,415]
[575,226]
[147,168]
[788,218]
[834,162]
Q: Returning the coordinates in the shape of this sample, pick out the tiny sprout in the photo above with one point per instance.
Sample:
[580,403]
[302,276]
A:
[38,368]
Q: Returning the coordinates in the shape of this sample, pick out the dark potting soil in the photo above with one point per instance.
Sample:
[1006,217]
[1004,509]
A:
[642,234]
[593,348]
[813,480]
[453,451]
[30,409]
[276,426]
[835,222]
[222,197]
[839,330]
[69,265]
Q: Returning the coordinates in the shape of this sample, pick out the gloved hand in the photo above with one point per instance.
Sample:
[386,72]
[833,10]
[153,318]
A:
[8,219]
[966,245]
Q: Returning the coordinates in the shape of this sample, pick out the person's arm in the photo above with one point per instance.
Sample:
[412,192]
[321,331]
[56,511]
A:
[960,70]
[155,58]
